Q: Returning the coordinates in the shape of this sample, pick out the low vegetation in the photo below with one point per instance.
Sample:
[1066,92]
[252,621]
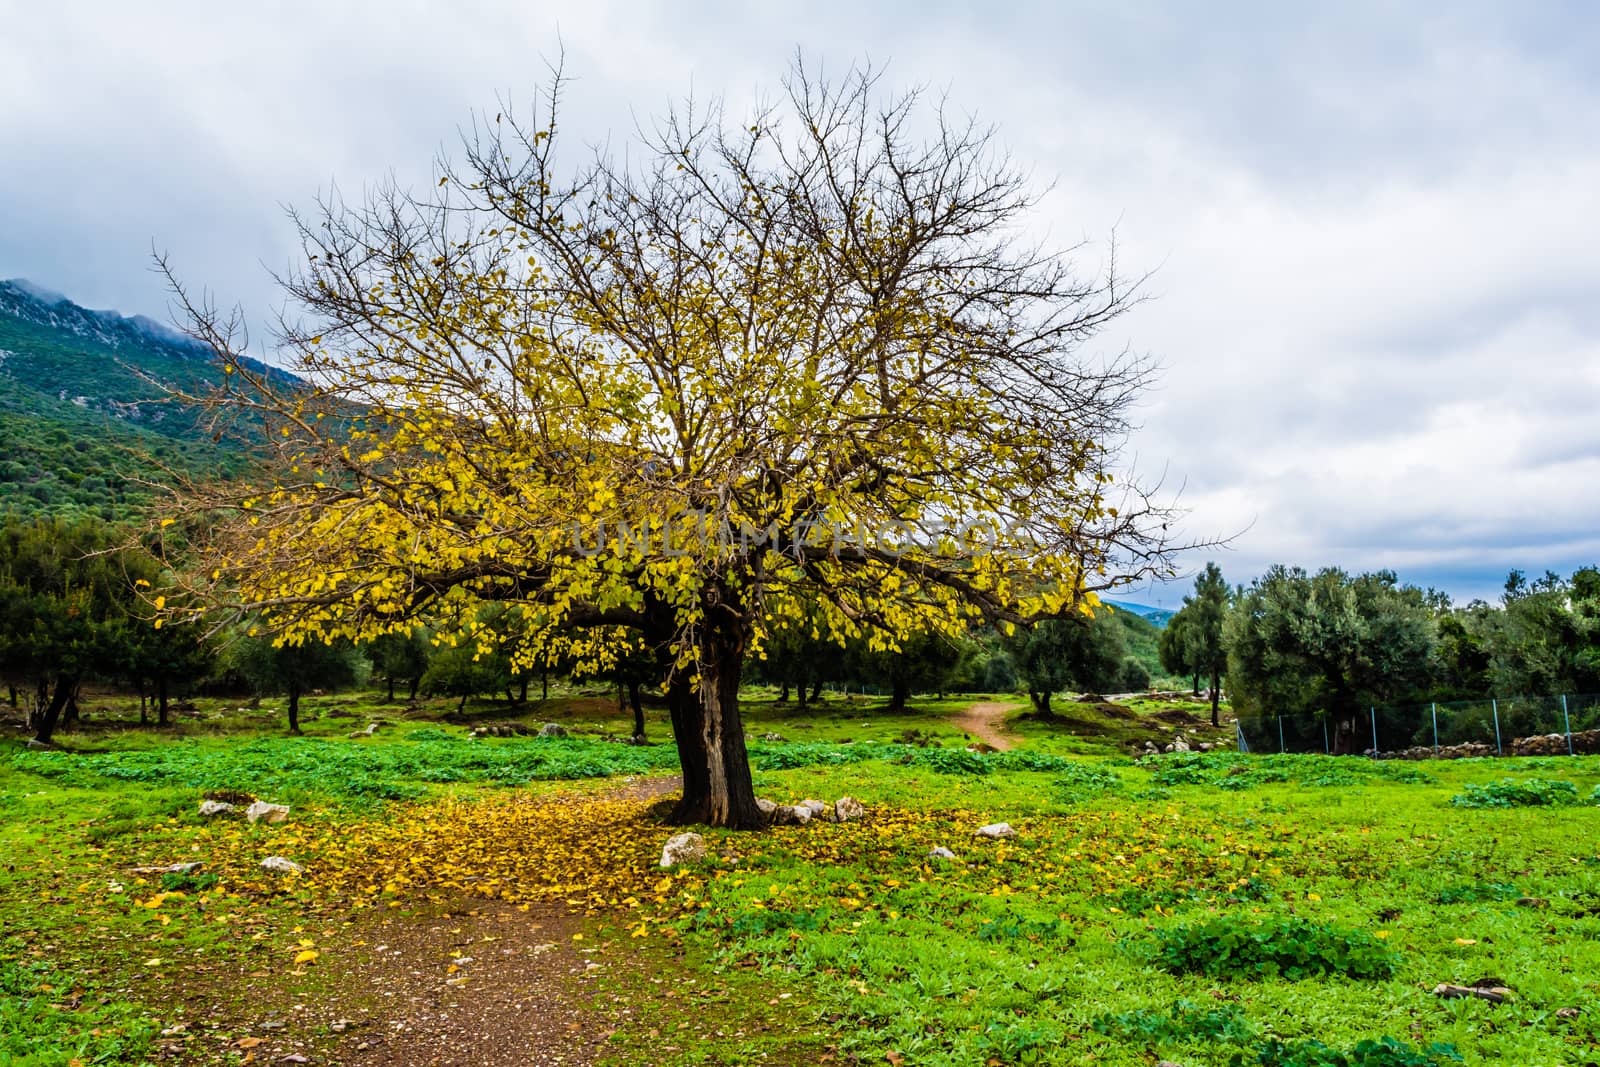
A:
[1144,910]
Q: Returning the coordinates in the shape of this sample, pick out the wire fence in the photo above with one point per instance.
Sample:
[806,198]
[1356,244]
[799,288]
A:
[1561,725]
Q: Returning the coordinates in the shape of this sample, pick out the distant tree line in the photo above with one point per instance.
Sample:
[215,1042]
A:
[1331,645]
[80,599]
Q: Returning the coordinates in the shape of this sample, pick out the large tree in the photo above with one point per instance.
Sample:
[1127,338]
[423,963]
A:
[1193,642]
[922,662]
[1329,643]
[805,363]
[75,604]
[1057,653]
[294,670]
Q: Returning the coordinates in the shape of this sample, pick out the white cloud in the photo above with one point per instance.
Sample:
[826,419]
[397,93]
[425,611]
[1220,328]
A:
[1377,247]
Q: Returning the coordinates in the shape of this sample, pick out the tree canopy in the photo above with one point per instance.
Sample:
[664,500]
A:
[798,369]
[1329,643]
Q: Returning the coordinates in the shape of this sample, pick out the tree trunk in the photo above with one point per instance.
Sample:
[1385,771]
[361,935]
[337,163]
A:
[391,689]
[717,789]
[1216,697]
[816,691]
[144,710]
[522,694]
[49,715]
[13,696]
[803,694]
[544,686]
[416,683]
[684,710]
[69,717]
[41,698]
[1041,702]
[294,709]
[1196,683]
[783,697]
[161,700]
[898,695]
[638,710]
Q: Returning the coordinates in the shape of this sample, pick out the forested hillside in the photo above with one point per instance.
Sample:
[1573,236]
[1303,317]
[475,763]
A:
[84,424]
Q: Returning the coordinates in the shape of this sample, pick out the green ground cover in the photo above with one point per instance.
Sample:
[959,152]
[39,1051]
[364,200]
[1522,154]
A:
[1198,908]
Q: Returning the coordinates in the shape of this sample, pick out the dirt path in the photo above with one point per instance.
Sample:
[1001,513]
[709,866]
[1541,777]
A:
[493,985]
[986,722]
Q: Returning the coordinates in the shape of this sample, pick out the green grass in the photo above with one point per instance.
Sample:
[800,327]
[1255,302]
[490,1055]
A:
[1050,948]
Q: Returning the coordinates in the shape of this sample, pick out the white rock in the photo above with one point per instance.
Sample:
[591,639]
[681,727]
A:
[940,853]
[767,807]
[683,848]
[270,812]
[212,808]
[552,729]
[847,808]
[1180,745]
[815,807]
[283,864]
[995,830]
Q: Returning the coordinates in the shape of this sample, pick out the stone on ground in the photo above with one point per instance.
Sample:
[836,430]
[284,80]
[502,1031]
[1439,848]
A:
[270,812]
[683,848]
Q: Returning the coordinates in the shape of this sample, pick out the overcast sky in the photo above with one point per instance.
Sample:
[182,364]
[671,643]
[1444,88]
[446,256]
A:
[1375,230]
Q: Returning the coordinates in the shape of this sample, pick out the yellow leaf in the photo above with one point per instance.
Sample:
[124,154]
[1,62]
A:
[307,956]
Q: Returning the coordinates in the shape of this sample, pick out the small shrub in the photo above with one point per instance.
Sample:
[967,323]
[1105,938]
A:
[1083,781]
[1017,929]
[1477,893]
[192,882]
[751,923]
[948,761]
[1384,1052]
[1025,760]
[1517,793]
[1291,948]
[1017,1042]
[1184,1021]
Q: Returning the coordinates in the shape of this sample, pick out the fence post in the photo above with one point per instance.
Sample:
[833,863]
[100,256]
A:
[1280,733]
[1372,713]
[1327,749]
[1567,722]
[1435,707]
[1494,709]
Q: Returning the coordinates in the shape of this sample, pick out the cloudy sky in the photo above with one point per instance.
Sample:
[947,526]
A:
[1375,230]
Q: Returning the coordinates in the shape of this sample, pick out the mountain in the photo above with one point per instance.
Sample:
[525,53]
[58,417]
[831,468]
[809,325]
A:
[1157,617]
[85,426]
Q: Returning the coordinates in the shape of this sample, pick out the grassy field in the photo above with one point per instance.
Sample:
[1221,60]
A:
[1193,908]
